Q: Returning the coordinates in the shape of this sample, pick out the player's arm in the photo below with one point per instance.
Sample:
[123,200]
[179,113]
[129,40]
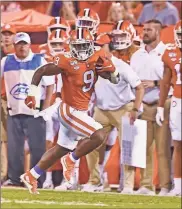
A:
[106,69]
[165,84]
[45,70]
[164,90]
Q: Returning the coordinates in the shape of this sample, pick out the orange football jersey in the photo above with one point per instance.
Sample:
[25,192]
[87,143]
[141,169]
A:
[125,56]
[79,78]
[172,59]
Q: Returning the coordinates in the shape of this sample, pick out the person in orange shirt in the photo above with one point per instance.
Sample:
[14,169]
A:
[173,74]
[8,32]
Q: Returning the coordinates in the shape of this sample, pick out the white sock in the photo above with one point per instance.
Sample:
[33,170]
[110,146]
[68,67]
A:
[177,184]
[34,173]
[49,176]
[77,164]
[101,172]
[106,157]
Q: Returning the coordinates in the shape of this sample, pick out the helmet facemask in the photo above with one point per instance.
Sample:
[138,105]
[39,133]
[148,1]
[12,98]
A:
[120,40]
[56,47]
[87,22]
[82,49]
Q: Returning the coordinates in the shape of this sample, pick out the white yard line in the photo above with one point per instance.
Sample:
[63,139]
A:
[3,200]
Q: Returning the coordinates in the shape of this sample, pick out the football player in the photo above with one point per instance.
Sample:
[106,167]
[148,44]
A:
[89,19]
[122,37]
[173,74]
[56,23]
[79,69]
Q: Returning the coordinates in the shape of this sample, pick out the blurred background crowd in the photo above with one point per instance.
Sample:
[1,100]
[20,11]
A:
[16,17]
[135,11]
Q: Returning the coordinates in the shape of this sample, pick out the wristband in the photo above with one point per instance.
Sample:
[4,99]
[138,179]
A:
[115,73]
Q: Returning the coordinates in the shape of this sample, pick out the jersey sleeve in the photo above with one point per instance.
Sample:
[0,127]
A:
[61,61]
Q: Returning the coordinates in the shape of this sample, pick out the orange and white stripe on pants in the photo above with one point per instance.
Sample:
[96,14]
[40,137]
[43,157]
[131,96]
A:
[78,121]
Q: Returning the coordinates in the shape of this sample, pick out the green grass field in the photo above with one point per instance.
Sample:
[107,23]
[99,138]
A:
[20,198]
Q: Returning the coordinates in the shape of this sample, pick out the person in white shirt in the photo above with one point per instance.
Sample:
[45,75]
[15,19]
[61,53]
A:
[112,102]
[17,70]
[146,62]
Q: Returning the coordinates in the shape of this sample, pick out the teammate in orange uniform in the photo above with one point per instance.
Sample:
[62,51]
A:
[87,18]
[79,69]
[56,23]
[122,37]
[173,74]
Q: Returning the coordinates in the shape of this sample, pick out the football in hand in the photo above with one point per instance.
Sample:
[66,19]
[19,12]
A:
[99,69]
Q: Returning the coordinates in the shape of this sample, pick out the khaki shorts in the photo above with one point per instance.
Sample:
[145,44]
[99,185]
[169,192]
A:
[112,118]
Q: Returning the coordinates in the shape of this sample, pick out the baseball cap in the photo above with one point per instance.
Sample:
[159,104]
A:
[22,37]
[9,28]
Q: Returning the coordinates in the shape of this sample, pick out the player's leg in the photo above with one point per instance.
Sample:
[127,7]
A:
[84,125]
[175,125]
[46,161]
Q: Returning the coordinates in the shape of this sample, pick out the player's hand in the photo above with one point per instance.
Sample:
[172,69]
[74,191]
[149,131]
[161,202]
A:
[104,64]
[159,116]
[133,116]
[148,84]
[30,102]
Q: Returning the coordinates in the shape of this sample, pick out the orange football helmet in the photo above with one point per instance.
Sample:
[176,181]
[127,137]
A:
[81,44]
[122,35]
[178,34]
[87,18]
[58,23]
[57,41]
